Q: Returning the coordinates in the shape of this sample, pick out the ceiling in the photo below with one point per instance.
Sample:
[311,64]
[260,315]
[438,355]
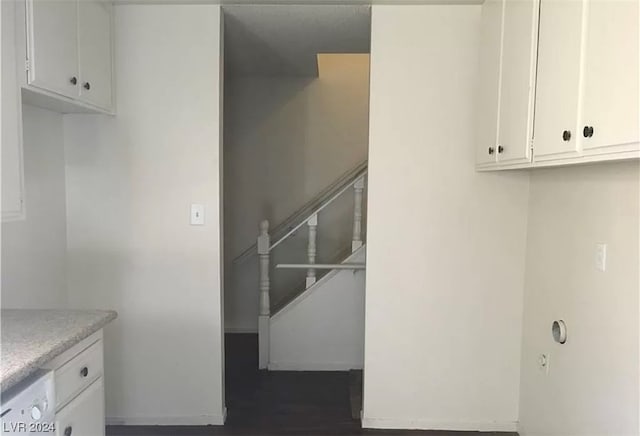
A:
[283,40]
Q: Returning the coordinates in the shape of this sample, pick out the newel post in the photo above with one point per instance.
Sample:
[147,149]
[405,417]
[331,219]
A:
[312,222]
[264,313]
[358,187]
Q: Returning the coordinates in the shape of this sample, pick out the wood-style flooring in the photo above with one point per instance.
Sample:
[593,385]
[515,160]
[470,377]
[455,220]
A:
[288,403]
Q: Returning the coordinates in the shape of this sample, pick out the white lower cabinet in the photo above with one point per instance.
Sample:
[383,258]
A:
[84,415]
[79,389]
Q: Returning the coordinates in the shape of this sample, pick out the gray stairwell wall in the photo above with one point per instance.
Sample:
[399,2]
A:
[286,139]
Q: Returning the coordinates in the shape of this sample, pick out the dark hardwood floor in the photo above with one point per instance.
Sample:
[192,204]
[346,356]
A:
[288,403]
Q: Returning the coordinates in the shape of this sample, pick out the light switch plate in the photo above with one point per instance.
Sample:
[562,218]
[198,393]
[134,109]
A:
[197,214]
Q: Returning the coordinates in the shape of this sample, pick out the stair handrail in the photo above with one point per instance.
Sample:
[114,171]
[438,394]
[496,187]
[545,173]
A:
[317,210]
[300,216]
[264,247]
[354,266]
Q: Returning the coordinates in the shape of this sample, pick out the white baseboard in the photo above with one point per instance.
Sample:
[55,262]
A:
[313,366]
[425,424]
[169,420]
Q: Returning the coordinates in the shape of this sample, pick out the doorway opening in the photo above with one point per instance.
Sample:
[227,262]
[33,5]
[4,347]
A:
[296,123]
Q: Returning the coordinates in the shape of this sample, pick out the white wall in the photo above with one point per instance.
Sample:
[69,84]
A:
[34,249]
[323,328]
[592,385]
[287,139]
[130,181]
[446,244]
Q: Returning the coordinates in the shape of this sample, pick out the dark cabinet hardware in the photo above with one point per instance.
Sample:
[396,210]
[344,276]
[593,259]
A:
[68,431]
[500,148]
[84,371]
[490,150]
[73,80]
[587,132]
[566,135]
[87,85]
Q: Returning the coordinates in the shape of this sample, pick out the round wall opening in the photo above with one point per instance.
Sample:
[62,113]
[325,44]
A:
[559,331]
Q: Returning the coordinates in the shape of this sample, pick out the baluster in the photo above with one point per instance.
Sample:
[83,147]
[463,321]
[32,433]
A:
[264,243]
[358,187]
[312,222]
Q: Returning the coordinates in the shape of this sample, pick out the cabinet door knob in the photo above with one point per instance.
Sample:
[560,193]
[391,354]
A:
[68,431]
[87,85]
[490,150]
[566,135]
[73,80]
[587,132]
[84,371]
[500,148]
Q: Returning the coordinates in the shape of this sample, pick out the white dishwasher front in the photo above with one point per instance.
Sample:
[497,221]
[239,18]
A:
[28,408]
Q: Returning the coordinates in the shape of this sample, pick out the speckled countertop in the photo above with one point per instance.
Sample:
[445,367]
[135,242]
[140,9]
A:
[31,338]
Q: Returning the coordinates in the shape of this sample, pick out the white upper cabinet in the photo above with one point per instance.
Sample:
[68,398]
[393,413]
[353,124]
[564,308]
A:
[610,77]
[489,92]
[52,39]
[507,74]
[558,77]
[582,83]
[69,51]
[519,44]
[94,42]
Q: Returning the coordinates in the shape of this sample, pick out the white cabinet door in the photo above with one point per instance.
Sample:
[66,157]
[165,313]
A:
[611,76]
[53,48]
[94,36]
[558,78]
[12,169]
[490,43]
[519,44]
[84,415]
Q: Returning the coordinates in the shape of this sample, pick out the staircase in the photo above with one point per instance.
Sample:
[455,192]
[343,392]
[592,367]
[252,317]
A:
[324,283]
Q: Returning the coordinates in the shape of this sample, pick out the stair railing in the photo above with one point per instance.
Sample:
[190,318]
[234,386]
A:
[264,247]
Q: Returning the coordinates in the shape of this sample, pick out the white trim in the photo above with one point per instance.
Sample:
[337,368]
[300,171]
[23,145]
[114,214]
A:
[170,420]
[241,330]
[426,424]
[313,366]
